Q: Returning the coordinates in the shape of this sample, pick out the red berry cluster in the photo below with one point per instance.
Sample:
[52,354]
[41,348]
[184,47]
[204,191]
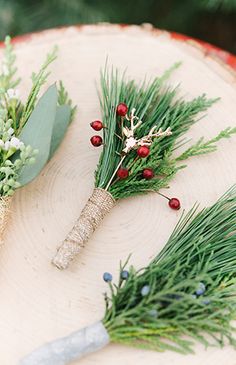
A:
[122,110]
[96,140]
[142,152]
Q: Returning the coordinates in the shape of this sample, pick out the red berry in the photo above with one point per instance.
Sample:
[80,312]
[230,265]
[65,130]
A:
[148,174]
[174,203]
[96,141]
[122,173]
[121,109]
[96,125]
[143,151]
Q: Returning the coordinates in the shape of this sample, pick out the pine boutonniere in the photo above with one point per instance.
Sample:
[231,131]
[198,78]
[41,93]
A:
[187,294]
[142,126]
[30,131]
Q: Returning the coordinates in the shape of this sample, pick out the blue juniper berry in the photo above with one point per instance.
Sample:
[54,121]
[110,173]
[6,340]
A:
[124,275]
[107,277]
[145,290]
[201,289]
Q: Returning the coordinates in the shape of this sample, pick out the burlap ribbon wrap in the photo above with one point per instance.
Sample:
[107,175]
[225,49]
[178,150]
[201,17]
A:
[99,204]
[5,203]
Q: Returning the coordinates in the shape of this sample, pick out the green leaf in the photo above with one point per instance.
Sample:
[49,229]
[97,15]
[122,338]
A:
[62,120]
[37,133]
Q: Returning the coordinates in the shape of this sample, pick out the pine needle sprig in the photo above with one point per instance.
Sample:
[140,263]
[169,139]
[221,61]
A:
[160,307]
[156,105]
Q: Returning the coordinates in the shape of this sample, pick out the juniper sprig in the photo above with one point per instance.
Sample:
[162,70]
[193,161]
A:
[188,292]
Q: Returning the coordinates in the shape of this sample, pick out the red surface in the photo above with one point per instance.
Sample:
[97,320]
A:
[210,49]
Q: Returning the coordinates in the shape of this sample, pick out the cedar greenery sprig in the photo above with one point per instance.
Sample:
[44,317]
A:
[202,147]
[7,77]
[156,104]
[38,79]
[188,292]
[64,99]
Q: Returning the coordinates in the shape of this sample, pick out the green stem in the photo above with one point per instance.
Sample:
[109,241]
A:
[114,173]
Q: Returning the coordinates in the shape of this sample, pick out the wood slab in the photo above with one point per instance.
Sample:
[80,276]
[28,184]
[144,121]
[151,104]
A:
[38,302]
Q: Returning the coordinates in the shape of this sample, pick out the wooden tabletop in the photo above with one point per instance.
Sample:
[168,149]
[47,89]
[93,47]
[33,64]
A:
[38,302]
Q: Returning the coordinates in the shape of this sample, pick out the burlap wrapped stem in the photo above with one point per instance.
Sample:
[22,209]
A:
[5,204]
[99,204]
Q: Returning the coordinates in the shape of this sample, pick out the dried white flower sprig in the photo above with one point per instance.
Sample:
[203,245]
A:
[11,146]
[131,142]
[30,132]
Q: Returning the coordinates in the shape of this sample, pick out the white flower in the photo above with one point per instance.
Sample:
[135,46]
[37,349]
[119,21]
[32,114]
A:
[1,143]
[16,143]
[7,145]
[12,94]
[10,131]
[5,70]
[13,143]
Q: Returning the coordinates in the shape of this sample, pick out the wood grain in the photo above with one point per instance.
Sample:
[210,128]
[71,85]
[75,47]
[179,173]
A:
[38,302]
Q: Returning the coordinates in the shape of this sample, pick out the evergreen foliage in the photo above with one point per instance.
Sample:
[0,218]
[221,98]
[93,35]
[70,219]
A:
[188,292]
[158,105]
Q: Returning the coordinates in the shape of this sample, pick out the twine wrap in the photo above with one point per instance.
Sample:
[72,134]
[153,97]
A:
[99,204]
[5,203]
[72,347]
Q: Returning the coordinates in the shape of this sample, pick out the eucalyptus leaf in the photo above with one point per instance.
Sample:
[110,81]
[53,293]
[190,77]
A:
[62,120]
[37,133]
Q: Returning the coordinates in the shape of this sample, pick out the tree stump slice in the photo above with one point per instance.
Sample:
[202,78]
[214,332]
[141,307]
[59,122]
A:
[38,302]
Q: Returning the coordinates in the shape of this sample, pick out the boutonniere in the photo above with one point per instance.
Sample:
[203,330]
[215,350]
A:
[142,127]
[31,130]
[186,294]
